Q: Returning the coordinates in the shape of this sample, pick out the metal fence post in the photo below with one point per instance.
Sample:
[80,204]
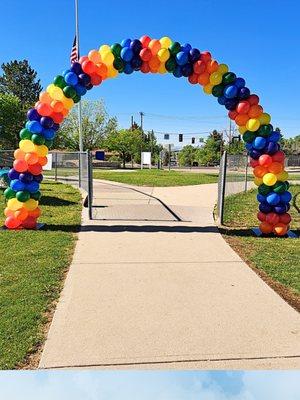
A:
[90,184]
[223,183]
[246,174]
[79,169]
[55,173]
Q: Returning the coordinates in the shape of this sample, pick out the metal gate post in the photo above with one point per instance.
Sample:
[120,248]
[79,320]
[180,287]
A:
[90,184]
[246,174]
[223,184]
[79,169]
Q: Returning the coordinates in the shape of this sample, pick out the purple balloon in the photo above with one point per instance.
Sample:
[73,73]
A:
[136,46]
[47,122]
[271,148]
[230,104]
[280,208]
[26,177]
[194,55]
[255,154]
[38,178]
[84,79]
[265,208]
[33,115]
[243,93]
[55,127]
[187,70]
[13,174]
[76,68]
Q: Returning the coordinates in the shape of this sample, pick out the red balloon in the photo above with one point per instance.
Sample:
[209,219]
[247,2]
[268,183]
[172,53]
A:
[285,218]
[253,99]
[278,156]
[145,68]
[205,56]
[96,79]
[253,163]
[265,160]
[272,218]
[232,114]
[20,165]
[57,117]
[243,107]
[145,40]
[44,109]
[193,79]
[199,67]
[88,67]
[35,169]
[146,54]
[82,59]
[12,223]
[29,223]
[261,216]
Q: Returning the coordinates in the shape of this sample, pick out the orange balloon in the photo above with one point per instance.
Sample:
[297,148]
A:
[19,154]
[212,66]
[21,214]
[20,165]
[65,112]
[45,97]
[57,106]
[203,79]
[276,168]
[154,63]
[280,229]
[241,119]
[255,111]
[8,212]
[35,213]
[259,171]
[42,161]
[154,46]
[265,227]
[31,158]
[44,109]
[101,70]
[94,56]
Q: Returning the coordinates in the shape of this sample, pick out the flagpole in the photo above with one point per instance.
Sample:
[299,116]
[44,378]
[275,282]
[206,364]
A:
[79,104]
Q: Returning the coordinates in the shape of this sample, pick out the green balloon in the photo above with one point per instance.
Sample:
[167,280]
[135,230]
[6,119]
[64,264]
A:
[170,64]
[70,92]
[118,63]
[228,78]
[23,196]
[116,49]
[25,134]
[38,139]
[265,130]
[48,143]
[175,48]
[36,196]
[280,187]
[60,81]
[264,189]
[77,98]
[217,90]
[9,193]
[249,136]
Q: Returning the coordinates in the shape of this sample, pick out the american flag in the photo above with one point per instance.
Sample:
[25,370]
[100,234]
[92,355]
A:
[74,52]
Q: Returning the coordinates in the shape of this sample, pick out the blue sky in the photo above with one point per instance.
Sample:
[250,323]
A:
[259,40]
[131,385]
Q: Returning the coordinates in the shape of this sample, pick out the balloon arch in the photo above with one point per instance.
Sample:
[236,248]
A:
[156,56]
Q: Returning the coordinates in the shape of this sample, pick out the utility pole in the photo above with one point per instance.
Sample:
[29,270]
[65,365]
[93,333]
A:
[132,122]
[142,116]
[79,104]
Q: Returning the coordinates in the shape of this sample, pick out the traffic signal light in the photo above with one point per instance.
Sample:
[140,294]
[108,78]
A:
[193,140]
[180,139]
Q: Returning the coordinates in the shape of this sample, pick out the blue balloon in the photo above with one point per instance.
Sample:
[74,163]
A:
[65,72]
[128,68]
[126,54]
[177,72]
[76,68]
[186,47]
[33,115]
[125,42]
[17,185]
[182,57]
[243,93]
[34,126]
[81,90]
[265,208]
[280,208]
[13,174]
[259,143]
[222,100]
[286,197]
[274,137]
[249,146]
[273,199]
[230,91]
[32,187]
[239,83]
[261,198]
[49,134]
[71,78]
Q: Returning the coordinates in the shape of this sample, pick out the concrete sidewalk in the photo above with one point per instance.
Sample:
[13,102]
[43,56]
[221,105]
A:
[162,293]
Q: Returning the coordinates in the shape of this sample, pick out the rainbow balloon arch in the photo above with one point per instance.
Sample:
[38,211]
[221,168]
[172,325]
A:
[156,56]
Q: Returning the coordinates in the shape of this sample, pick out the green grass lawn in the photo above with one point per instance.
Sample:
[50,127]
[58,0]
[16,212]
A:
[156,177]
[32,268]
[277,257]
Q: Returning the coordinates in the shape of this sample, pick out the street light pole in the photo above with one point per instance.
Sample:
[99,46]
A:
[79,104]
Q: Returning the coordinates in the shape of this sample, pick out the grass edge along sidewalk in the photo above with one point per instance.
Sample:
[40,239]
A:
[275,260]
[33,266]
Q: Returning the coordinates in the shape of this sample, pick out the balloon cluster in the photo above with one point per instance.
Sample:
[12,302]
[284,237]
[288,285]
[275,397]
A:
[156,56]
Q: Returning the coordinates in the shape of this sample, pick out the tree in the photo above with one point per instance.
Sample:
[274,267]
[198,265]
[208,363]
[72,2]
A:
[235,147]
[187,156]
[149,143]
[11,120]
[210,153]
[126,142]
[96,125]
[291,145]
[20,79]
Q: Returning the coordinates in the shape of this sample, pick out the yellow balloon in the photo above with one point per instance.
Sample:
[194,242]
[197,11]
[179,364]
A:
[162,68]
[14,204]
[258,181]
[55,92]
[208,88]
[253,124]
[215,78]
[223,68]
[31,204]
[68,103]
[42,150]
[163,55]
[112,72]
[165,42]
[269,179]
[26,145]
[283,176]
[265,119]
[107,58]
[105,48]
[242,129]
